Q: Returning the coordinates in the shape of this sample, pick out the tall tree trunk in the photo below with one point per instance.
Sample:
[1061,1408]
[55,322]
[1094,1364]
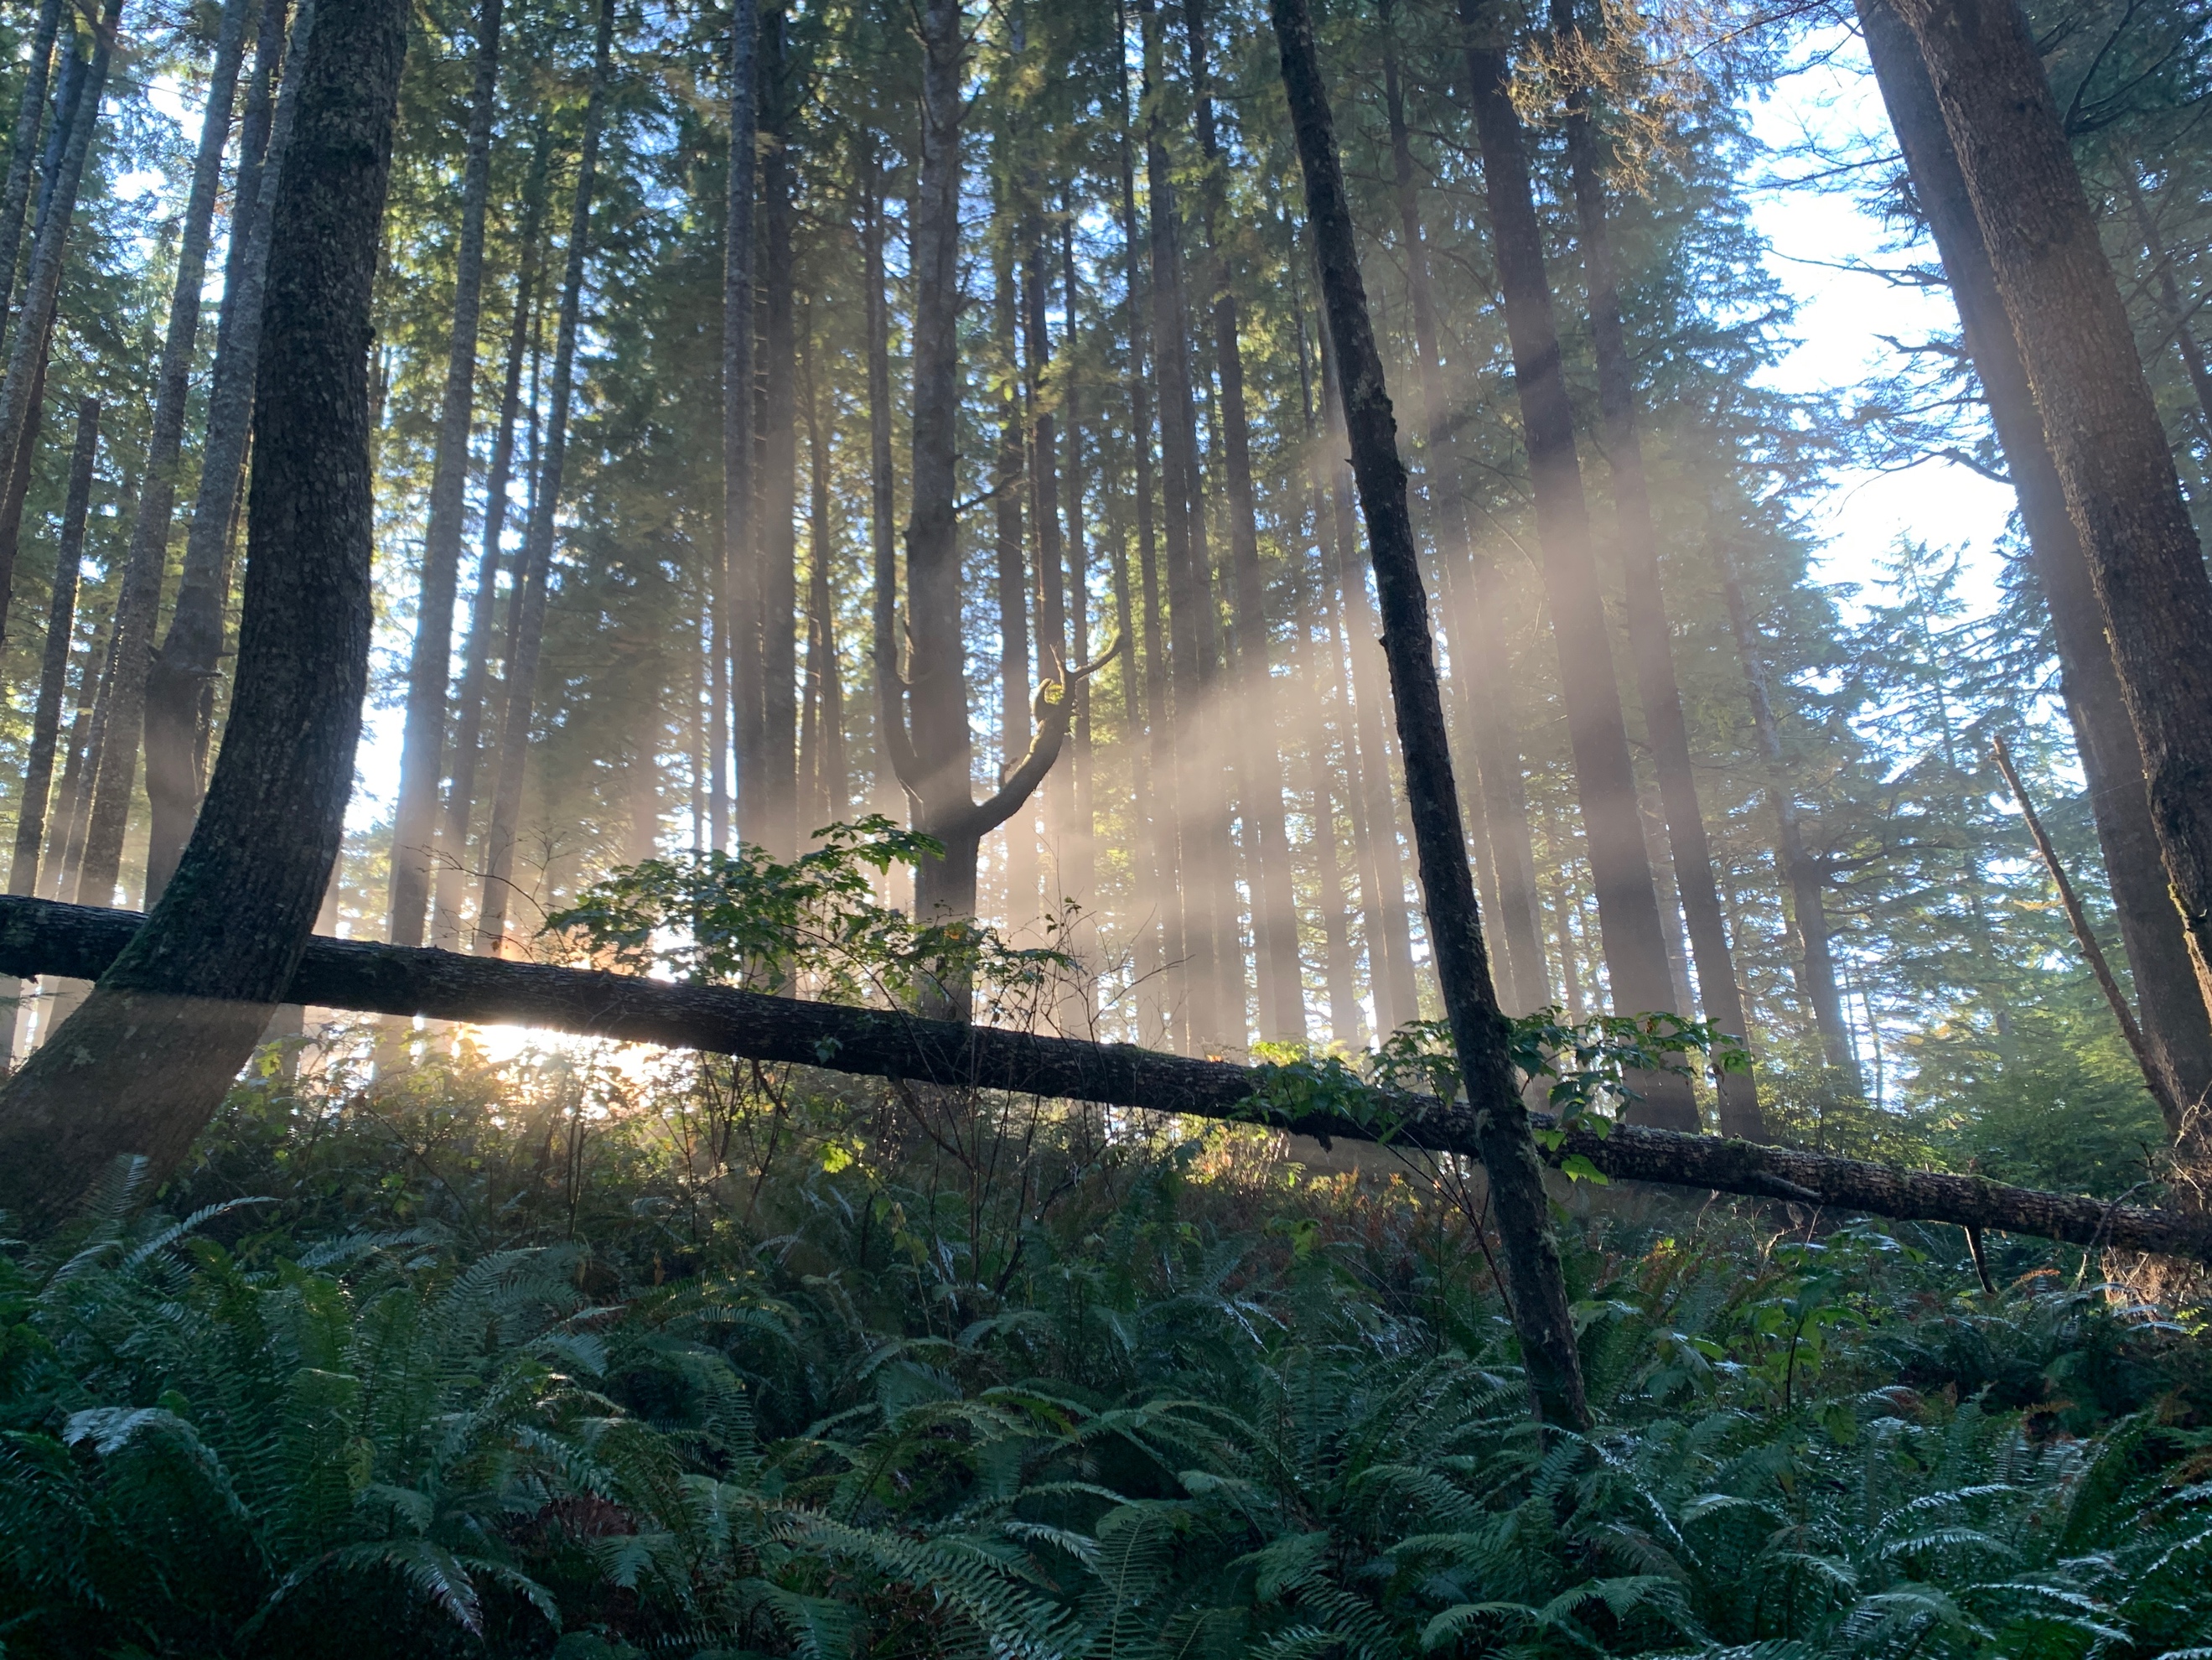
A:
[23,147]
[1801,873]
[2113,465]
[2172,1007]
[1605,779]
[1649,635]
[1537,1284]
[883,493]
[429,669]
[1153,792]
[472,706]
[1328,873]
[146,1059]
[53,669]
[738,621]
[772,818]
[181,680]
[25,379]
[933,759]
[84,761]
[1044,515]
[1020,864]
[143,566]
[822,772]
[536,563]
[1210,958]
[1258,785]
[1079,835]
[1481,671]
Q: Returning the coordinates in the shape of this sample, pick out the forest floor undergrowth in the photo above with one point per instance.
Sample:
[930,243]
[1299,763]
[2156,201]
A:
[588,1355]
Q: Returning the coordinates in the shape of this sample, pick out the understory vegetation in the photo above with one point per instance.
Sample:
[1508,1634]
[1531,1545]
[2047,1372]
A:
[592,1352]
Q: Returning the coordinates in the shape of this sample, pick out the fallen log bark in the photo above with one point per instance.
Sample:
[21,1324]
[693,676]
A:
[39,936]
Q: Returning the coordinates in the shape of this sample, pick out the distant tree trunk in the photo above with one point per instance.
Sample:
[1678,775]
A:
[144,1063]
[1537,1284]
[53,670]
[143,566]
[472,705]
[1649,636]
[1211,965]
[1152,761]
[429,669]
[1329,903]
[23,147]
[1481,673]
[16,491]
[1374,820]
[2111,453]
[181,680]
[535,565]
[1621,865]
[738,624]
[645,765]
[25,380]
[1013,573]
[1800,871]
[823,770]
[2172,314]
[772,818]
[2172,1007]
[883,528]
[1259,783]
[1044,516]
[88,735]
[1079,836]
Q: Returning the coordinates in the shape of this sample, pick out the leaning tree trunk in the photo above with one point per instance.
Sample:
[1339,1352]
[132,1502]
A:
[471,704]
[1481,669]
[422,744]
[2173,1014]
[180,682]
[144,564]
[1649,636]
[143,1064]
[536,565]
[1605,778]
[25,379]
[738,604]
[1537,1286]
[2074,340]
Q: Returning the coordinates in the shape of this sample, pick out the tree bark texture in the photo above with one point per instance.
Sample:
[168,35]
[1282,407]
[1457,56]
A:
[1536,1285]
[181,680]
[2174,1018]
[536,562]
[141,1066]
[2102,426]
[1649,634]
[1605,779]
[429,668]
[144,564]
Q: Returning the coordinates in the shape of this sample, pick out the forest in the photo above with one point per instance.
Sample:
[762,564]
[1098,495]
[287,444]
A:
[892,828]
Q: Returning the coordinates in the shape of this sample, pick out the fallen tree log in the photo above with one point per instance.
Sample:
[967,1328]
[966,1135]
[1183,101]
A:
[39,936]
